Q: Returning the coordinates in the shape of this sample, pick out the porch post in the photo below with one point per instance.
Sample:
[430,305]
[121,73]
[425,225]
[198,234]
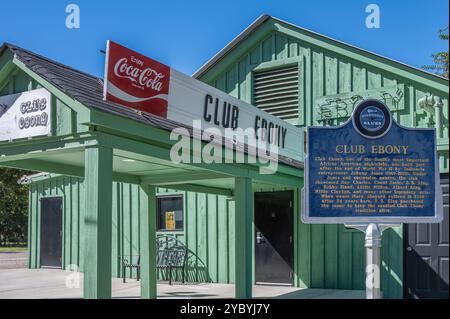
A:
[148,241]
[98,222]
[243,237]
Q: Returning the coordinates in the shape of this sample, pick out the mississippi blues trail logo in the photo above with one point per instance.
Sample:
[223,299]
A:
[136,81]
[372,118]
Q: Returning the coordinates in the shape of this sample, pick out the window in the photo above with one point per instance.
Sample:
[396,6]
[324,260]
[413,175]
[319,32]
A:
[170,212]
[276,91]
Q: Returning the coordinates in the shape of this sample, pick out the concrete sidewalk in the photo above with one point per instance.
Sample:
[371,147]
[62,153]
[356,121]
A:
[13,259]
[51,283]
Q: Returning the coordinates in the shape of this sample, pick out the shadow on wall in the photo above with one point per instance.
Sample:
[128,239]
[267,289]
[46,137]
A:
[427,283]
[195,270]
[392,264]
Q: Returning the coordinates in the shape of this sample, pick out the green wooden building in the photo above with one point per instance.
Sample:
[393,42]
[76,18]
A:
[295,74]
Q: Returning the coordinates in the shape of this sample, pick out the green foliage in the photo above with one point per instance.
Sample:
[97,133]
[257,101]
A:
[440,59]
[13,207]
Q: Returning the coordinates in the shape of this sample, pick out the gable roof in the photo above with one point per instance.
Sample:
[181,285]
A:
[231,45]
[88,90]
[82,87]
[245,34]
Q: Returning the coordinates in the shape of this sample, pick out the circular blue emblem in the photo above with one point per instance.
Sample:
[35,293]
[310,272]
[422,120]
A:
[372,118]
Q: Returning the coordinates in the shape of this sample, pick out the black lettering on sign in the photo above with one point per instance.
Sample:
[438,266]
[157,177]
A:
[264,129]
[208,100]
[270,132]
[226,112]
[283,136]
[234,117]
[257,118]
[216,110]
[226,115]
[33,120]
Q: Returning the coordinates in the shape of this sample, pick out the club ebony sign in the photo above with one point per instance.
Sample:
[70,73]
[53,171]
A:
[139,82]
[25,115]
[371,169]
[226,115]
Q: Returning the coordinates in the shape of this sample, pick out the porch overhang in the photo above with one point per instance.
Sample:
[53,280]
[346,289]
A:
[138,162]
[105,142]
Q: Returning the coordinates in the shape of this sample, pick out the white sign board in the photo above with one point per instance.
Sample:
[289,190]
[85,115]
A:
[141,83]
[190,99]
[25,114]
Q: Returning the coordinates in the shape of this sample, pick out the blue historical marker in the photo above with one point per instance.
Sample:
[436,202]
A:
[371,170]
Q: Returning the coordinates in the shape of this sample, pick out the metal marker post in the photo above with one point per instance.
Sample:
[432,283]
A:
[373,232]
[373,261]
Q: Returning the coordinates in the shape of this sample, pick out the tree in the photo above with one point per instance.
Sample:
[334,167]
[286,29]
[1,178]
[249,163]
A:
[13,207]
[440,59]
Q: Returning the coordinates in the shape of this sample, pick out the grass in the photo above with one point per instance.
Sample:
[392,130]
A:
[12,249]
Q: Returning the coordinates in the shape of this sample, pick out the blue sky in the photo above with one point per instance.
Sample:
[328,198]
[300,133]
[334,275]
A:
[185,34]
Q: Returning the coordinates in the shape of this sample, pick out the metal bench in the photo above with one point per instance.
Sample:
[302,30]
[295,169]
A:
[170,254]
[127,263]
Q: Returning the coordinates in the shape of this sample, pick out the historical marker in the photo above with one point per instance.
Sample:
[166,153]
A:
[371,174]
[371,169]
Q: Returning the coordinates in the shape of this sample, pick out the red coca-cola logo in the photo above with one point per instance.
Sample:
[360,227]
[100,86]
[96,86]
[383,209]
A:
[135,80]
[147,78]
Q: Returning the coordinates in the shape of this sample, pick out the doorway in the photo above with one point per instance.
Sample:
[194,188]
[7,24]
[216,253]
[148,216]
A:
[274,241]
[426,258]
[51,232]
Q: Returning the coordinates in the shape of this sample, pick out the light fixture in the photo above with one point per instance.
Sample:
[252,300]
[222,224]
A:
[129,160]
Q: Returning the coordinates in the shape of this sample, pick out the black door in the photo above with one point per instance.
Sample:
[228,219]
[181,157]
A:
[426,256]
[273,242]
[51,231]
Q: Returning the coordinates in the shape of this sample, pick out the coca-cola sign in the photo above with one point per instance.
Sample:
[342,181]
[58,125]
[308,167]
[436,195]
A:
[141,83]
[134,80]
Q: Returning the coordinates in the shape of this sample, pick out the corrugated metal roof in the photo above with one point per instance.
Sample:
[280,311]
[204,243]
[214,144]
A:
[88,90]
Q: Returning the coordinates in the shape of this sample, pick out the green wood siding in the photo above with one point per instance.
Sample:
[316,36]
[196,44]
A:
[208,228]
[328,256]
[331,256]
[325,72]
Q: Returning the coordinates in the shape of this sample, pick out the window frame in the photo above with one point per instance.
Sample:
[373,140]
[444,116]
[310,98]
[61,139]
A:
[159,198]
